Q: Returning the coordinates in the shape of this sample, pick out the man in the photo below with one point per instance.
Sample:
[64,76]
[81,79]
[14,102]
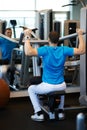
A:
[53,60]
[7,45]
[8,32]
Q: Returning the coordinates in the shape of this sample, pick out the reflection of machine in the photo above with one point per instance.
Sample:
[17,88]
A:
[44,23]
[2,26]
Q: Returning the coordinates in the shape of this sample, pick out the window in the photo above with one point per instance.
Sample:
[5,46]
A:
[17,5]
[55,5]
[24,12]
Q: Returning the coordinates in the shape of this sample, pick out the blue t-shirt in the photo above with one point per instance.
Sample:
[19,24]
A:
[6,47]
[53,60]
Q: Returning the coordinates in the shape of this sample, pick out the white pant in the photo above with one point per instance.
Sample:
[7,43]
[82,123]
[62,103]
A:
[44,88]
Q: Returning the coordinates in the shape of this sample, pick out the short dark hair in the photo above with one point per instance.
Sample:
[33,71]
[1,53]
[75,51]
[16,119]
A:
[8,29]
[54,37]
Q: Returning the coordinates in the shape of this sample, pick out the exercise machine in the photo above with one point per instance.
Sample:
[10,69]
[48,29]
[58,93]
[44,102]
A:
[25,75]
[83,61]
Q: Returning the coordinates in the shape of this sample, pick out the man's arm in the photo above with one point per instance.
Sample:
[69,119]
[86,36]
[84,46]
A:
[81,48]
[29,50]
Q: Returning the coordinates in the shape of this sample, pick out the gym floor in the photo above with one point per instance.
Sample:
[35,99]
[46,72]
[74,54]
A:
[16,116]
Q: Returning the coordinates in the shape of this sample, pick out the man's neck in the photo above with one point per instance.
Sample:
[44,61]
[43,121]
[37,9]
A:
[52,44]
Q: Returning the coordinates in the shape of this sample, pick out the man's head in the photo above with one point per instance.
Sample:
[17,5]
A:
[54,37]
[8,32]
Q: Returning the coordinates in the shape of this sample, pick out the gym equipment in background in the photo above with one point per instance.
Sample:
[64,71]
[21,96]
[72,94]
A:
[44,23]
[57,27]
[13,23]
[76,2]
[70,28]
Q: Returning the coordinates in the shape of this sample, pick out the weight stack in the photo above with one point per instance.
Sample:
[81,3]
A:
[70,28]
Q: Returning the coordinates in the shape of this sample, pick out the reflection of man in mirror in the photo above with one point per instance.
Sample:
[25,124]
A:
[7,44]
[8,32]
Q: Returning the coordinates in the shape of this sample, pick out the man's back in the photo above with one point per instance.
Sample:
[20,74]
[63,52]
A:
[53,62]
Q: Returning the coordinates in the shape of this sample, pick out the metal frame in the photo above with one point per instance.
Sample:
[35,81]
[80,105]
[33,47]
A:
[83,61]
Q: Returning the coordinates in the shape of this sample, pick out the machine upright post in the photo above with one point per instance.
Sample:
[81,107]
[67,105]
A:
[83,60]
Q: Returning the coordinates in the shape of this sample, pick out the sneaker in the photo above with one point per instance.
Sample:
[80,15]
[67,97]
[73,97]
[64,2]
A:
[37,117]
[13,87]
[61,115]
